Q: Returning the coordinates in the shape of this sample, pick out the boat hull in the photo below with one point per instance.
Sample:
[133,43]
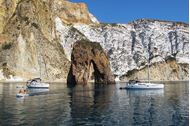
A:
[21,95]
[37,85]
[144,86]
[44,87]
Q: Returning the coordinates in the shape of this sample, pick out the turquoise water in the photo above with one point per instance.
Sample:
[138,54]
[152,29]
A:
[95,105]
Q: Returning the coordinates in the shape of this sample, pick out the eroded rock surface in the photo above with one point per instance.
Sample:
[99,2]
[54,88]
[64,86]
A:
[55,25]
[164,70]
[71,13]
[28,44]
[86,54]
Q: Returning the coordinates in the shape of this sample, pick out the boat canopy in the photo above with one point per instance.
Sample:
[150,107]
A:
[35,79]
[133,81]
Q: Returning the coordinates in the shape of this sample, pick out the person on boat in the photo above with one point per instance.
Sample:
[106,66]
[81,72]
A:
[25,91]
[21,91]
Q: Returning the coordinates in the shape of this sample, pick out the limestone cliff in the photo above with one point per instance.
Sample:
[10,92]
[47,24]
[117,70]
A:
[68,12]
[129,45]
[71,13]
[89,60]
[7,8]
[164,70]
[29,42]
[36,33]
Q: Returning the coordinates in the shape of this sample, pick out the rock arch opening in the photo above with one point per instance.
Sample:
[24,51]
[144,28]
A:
[89,62]
[95,74]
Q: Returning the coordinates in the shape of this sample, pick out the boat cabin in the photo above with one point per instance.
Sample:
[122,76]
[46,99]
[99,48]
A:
[133,81]
[34,80]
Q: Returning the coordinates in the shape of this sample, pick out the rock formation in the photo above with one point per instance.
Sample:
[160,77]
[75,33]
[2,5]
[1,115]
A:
[30,27]
[71,13]
[88,58]
[128,45]
[164,70]
[28,38]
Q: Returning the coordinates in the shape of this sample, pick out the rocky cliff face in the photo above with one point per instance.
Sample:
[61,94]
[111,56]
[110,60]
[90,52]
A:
[71,13]
[89,61]
[129,46]
[164,70]
[29,42]
[36,33]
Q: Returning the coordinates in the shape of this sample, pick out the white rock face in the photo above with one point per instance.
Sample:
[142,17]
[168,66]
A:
[93,19]
[34,29]
[68,35]
[127,45]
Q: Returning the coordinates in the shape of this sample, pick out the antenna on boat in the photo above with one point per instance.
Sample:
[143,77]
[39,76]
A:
[148,68]
[43,62]
[40,60]
[40,67]
[148,53]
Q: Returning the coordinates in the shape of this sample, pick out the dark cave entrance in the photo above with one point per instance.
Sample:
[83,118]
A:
[94,73]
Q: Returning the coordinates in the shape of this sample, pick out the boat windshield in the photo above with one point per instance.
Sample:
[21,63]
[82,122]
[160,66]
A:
[133,81]
[35,79]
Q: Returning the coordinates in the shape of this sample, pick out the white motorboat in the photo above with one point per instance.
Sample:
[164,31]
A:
[21,95]
[133,84]
[141,85]
[36,83]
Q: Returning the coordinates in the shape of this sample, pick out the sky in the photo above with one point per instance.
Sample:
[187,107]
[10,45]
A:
[124,11]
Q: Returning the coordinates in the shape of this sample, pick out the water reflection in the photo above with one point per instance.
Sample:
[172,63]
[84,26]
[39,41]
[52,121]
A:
[43,107]
[145,106]
[85,103]
[166,107]
[152,92]
[36,91]
[178,104]
[95,105]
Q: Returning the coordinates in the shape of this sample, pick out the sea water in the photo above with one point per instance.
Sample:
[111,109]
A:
[95,105]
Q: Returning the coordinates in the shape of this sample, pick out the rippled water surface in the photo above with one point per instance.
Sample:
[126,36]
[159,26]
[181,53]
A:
[95,105]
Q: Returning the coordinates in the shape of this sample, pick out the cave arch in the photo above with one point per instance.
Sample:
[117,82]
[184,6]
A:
[96,74]
[85,56]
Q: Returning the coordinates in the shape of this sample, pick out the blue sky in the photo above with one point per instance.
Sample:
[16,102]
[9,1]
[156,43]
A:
[124,11]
